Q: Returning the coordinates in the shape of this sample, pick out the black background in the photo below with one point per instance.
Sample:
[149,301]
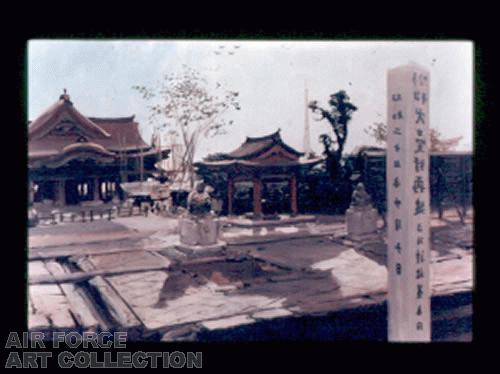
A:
[413,21]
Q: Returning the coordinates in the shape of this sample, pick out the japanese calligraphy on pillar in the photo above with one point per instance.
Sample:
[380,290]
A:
[408,205]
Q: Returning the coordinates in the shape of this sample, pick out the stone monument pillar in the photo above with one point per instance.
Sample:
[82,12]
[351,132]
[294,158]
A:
[361,217]
[408,206]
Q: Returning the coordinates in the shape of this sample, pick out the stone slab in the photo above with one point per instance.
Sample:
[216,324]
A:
[273,313]
[50,303]
[225,323]
[283,221]
[193,251]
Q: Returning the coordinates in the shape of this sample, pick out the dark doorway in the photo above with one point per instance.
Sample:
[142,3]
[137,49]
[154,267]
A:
[45,191]
[71,192]
[243,198]
[276,197]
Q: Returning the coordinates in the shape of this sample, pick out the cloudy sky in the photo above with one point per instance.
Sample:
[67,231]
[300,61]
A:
[269,76]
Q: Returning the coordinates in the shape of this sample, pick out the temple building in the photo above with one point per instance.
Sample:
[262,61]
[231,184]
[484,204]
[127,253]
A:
[75,159]
[262,161]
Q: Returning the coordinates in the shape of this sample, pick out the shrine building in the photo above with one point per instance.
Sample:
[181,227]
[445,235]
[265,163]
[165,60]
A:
[261,161]
[74,159]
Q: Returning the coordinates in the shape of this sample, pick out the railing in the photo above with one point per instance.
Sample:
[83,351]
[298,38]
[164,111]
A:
[90,215]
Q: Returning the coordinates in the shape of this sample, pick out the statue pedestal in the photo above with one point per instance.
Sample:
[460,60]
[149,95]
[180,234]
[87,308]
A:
[361,223]
[33,217]
[199,237]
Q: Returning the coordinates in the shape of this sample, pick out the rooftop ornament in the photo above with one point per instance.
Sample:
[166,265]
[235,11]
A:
[65,97]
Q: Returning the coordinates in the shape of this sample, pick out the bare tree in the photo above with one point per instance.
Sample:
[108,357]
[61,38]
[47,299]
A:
[184,104]
[378,131]
[438,144]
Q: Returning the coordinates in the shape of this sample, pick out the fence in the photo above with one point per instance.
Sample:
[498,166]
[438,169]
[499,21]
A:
[90,215]
[450,180]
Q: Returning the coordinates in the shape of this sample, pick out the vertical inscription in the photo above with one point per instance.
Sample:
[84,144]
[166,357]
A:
[408,204]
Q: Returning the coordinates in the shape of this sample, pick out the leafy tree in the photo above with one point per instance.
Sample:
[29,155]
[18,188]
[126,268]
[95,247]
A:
[338,116]
[379,132]
[184,104]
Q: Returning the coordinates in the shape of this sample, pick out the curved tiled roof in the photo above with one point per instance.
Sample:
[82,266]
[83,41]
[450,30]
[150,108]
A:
[113,134]
[86,147]
[259,152]
[255,146]
[113,119]
[76,150]
[124,133]
[46,119]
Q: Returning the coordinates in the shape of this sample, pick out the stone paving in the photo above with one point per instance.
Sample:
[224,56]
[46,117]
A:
[314,273]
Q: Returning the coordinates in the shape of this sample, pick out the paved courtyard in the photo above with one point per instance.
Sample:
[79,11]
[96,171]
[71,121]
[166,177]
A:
[130,277]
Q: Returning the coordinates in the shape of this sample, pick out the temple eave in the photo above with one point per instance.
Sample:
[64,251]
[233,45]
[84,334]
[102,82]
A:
[257,165]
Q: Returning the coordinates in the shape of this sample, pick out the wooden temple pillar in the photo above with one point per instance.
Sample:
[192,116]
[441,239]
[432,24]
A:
[59,192]
[293,194]
[230,195]
[97,187]
[257,196]
[31,193]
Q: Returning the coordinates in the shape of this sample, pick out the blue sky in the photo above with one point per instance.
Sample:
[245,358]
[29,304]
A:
[269,76]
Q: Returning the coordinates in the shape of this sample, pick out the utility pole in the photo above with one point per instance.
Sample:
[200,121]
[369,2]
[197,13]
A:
[307,137]
[141,165]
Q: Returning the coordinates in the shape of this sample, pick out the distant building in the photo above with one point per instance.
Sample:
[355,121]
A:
[175,161]
[450,177]
[73,158]
[175,167]
[260,161]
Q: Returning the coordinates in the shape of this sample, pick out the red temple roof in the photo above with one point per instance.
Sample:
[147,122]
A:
[124,133]
[62,125]
[48,119]
[256,146]
[259,152]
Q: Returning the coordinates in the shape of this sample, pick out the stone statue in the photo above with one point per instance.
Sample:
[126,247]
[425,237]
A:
[199,202]
[360,198]
[199,228]
[361,217]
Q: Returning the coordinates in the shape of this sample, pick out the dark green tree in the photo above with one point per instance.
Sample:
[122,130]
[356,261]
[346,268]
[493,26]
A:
[338,116]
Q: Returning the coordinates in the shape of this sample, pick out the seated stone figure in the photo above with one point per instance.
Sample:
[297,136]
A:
[361,217]
[199,201]
[198,227]
[360,198]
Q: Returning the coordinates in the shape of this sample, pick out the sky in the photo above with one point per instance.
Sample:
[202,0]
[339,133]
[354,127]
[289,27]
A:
[270,77]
